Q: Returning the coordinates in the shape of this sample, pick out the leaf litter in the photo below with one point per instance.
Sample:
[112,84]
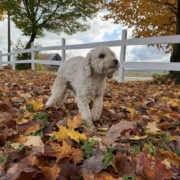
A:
[137,137]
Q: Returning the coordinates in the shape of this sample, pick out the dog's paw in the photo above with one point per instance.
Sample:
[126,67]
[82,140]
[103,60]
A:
[49,103]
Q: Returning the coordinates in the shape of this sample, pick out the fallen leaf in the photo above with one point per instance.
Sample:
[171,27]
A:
[94,163]
[115,131]
[51,173]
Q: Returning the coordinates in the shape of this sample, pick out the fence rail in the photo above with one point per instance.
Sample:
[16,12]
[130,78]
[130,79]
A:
[118,43]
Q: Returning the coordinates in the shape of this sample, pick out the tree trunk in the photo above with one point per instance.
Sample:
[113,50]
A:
[26,56]
[175,57]
[33,36]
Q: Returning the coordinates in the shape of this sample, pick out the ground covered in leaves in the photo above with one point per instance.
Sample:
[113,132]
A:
[138,136]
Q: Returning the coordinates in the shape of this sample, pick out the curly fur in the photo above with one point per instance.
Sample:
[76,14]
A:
[86,78]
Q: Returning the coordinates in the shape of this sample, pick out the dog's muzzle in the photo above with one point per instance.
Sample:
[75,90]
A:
[114,63]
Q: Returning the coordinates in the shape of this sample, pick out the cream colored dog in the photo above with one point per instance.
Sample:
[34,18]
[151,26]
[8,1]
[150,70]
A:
[86,78]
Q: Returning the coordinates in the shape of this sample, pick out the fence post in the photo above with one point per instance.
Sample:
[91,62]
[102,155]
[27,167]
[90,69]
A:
[14,60]
[32,56]
[122,56]
[63,50]
[0,59]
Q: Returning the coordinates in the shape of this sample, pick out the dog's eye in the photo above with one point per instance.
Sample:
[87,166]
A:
[101,56]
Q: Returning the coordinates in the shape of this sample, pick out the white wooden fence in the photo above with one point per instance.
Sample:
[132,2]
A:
[121,43]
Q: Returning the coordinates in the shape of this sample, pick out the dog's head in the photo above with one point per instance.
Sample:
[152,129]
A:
[101,60]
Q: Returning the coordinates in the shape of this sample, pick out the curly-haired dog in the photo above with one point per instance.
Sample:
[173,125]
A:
[86,78]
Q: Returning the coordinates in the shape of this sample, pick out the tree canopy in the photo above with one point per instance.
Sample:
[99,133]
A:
[2,11]
[149,18]
[33,17]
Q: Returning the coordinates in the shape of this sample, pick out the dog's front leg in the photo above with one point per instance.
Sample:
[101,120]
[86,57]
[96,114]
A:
[97,107]
[83,105]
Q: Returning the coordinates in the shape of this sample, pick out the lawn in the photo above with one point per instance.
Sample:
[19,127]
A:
[137,137]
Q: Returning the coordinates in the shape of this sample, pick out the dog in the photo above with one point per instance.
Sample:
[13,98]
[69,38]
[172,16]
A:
[85,77]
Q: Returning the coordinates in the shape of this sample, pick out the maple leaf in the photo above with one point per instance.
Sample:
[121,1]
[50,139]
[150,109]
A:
[68,170]
[38,161]
[32,129]
[153,129]
[133,114]
[66,150]
[152,168]
[75,122]
[87,174]
[173,158]
[64,133]
[37,104]
[115,131]
[51,173]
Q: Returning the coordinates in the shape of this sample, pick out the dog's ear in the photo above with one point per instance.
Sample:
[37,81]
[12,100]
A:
[109,76]
[87,67]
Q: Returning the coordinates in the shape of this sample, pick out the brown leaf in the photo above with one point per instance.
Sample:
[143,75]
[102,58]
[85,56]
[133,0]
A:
[38,161]
[115,131]
[51,173]
[68,171]
[94,163]
[172,157]
[124,165]
[152,168]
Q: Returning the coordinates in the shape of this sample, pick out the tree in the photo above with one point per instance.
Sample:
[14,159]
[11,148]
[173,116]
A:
[34,17]
[149,18]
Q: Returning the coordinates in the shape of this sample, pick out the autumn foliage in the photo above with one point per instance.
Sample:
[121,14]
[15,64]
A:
[138,136]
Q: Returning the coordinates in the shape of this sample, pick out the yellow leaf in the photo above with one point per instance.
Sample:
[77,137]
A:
[64,133]
[32,129]
[27,114]
[173,158]
[76,136]
[37,104]
[61,134]
[166,163]
[66,150]
[76,122]
[22,121]
[156,118]
[138,137]
[152,128]
[133,114]
[30,83]
[34,141]
[164,98]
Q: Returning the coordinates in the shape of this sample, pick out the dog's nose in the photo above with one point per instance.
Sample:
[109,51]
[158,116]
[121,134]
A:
[115,61]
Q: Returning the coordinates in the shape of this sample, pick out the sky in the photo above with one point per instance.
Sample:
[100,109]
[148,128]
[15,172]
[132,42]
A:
[99,31]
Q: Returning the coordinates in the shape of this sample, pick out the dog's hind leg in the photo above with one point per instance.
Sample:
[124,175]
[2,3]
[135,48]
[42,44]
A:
[58,91]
